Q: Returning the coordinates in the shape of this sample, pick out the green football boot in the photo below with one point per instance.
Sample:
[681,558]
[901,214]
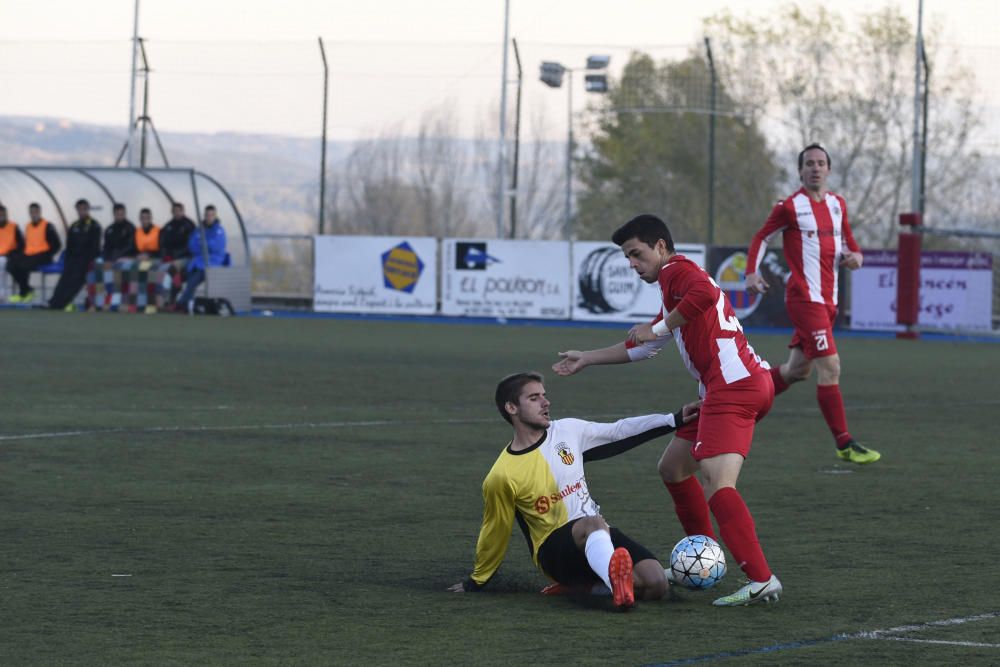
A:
[855,453]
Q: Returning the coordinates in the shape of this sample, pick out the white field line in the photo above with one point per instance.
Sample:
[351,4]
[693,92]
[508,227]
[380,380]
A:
[892,634]
[240,427]
[888,634]
[938,641]
[916,627]
[380,422]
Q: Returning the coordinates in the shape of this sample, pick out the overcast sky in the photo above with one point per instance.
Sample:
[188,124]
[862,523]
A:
[254,65]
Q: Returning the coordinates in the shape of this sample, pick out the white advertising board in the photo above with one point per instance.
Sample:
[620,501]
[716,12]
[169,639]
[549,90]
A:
[487,278]
[375,274]
[608,289]
[956,291]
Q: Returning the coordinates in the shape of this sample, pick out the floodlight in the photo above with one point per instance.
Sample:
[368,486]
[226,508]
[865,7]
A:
[596,83]
[598,62]
[552,74]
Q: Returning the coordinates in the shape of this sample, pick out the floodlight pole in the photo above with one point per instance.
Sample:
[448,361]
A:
[502,144]
[131,101]
[915,182]
[923,138]
[145,103]
[517,143]
[711,148]
[322,150]
[569,156]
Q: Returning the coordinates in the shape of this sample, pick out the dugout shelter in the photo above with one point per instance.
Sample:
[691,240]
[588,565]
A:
[57,188]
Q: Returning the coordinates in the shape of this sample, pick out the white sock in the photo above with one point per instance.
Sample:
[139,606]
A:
[599,550]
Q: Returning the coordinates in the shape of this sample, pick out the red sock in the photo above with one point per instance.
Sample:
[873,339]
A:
[738,533]
[779,382]
[831,404]
[691,508]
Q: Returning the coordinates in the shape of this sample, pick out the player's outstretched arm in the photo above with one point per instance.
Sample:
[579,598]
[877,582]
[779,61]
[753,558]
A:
[573,361]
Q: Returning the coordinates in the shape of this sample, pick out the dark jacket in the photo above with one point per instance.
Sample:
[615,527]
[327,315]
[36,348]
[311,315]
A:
[174,238]
[83,241]
[119,241]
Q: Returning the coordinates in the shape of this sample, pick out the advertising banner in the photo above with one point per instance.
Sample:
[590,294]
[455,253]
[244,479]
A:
[375,274]
[606,287]
[956,291]
[529,279]
[728,265]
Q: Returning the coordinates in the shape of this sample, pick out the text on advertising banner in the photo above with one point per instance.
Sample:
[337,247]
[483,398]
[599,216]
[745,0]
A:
[956,291]
[375,274]
[487,278]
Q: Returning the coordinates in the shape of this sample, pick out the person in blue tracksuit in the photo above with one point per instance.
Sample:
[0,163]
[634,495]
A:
[194,272]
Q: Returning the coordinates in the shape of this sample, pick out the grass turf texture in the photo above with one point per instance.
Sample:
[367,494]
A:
[303,491]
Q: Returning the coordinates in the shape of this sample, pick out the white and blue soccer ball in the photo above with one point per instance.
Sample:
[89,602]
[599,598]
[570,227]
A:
[697,562]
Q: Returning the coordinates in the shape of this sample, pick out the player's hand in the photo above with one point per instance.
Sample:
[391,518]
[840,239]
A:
[457,588]
[570,362]
[690,411]
[851,260]
[641,333]
[756,284]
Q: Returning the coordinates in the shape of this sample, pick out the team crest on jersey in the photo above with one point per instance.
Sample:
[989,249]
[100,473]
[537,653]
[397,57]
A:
[564,454]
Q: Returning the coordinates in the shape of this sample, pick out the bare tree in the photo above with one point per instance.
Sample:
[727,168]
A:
[442,168]
[539,201]
[851,90]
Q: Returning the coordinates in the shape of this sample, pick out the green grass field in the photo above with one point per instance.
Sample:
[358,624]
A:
[284,491]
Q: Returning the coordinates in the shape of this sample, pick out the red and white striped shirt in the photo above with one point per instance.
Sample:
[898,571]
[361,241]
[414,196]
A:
[711,342]
[814,234]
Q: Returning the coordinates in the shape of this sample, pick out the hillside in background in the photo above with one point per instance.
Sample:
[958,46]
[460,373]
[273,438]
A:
[273,179]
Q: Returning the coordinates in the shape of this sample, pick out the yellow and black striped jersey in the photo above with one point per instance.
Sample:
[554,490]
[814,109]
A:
[544,486]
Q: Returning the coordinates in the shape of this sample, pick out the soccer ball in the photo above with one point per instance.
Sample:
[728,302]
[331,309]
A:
[697,562]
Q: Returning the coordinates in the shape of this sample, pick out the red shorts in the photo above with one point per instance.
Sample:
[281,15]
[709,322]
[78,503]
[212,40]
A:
[813,328]
[728,414]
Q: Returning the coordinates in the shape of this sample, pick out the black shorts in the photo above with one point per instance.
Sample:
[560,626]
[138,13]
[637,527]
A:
[567,564]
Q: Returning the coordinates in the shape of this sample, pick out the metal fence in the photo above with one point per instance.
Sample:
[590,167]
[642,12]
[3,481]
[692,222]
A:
[282,268]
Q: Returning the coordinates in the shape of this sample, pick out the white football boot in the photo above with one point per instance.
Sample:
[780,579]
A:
[754,591]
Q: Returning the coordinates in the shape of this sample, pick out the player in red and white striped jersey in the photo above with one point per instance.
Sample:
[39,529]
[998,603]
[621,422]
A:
[814,227]
[733,381]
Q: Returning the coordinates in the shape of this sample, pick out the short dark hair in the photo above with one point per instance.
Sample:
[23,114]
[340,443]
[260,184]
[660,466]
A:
[210,207]
[82,202]
[145,210]
[34,205]
[509,389]
[3,208]
[118,207]
[814,146]
[647,228]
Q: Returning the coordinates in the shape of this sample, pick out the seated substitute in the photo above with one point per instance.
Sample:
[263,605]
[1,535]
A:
[11,245]
[41,244]
[147,236]
[119,237]
[175,235]
[539,478]
[83,246]
[215,242]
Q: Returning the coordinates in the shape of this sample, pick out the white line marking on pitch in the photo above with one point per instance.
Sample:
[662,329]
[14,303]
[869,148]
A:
[938,641]
[874,634]
[240,427]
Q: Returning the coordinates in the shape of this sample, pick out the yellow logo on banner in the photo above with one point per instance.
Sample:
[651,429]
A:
[401,268]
